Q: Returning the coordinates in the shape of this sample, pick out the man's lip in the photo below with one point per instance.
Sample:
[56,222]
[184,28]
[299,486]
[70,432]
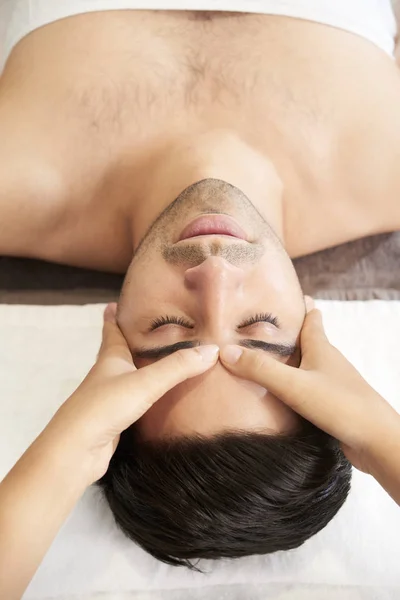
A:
[213,224]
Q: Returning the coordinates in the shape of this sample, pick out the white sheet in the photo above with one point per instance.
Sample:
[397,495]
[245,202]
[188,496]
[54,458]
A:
[44,354]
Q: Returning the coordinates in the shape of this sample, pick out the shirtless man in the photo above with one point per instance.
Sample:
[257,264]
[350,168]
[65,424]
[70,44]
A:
[118,130]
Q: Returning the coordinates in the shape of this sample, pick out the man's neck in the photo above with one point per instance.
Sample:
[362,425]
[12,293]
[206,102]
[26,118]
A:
[219,154]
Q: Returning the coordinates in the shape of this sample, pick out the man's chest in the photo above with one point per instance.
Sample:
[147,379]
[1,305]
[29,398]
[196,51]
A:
[114,93]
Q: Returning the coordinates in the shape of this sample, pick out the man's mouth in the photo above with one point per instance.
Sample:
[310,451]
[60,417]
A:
[213,225]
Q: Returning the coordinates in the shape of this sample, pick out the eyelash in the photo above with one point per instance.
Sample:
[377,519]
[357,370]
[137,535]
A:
[160,321]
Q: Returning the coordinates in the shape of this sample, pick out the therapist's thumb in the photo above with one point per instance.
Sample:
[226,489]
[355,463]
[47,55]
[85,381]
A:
[290,384]
[283,381]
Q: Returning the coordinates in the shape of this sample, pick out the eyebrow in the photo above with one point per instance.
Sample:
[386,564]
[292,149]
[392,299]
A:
[161,351]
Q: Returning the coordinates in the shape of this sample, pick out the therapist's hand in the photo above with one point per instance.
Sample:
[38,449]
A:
[326,390]
[75,448]
[115,394]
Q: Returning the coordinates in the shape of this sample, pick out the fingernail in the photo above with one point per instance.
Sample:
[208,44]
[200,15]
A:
[231,354]
[310,305]
[208,353]
[110,312]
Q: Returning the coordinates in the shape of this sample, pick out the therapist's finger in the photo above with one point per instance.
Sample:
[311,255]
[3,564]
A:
[114,354]
[313,339]
[290,384]
[285,382]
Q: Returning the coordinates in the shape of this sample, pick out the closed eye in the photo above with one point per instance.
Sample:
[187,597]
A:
[260,317]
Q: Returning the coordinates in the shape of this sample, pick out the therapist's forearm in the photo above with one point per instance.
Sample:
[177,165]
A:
[35,498]
[383,456]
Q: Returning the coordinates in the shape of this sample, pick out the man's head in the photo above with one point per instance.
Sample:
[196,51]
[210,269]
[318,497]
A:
[218,466]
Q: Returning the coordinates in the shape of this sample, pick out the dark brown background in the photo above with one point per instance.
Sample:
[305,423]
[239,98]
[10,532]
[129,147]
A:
[366,269]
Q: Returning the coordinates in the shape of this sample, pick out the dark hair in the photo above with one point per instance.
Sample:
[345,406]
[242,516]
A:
[231,495]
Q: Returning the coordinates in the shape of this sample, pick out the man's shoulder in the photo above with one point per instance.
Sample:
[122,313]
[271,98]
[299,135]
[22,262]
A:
[30,201]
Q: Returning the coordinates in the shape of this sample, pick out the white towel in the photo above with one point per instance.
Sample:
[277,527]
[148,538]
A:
[44,354]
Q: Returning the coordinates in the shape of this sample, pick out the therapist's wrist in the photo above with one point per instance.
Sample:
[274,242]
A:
[383,442]
[67,453]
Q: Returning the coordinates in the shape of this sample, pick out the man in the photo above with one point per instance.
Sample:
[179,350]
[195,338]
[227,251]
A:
[199,152]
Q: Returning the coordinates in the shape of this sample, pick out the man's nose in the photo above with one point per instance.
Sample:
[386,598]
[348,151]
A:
[217,286]
[215,274]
